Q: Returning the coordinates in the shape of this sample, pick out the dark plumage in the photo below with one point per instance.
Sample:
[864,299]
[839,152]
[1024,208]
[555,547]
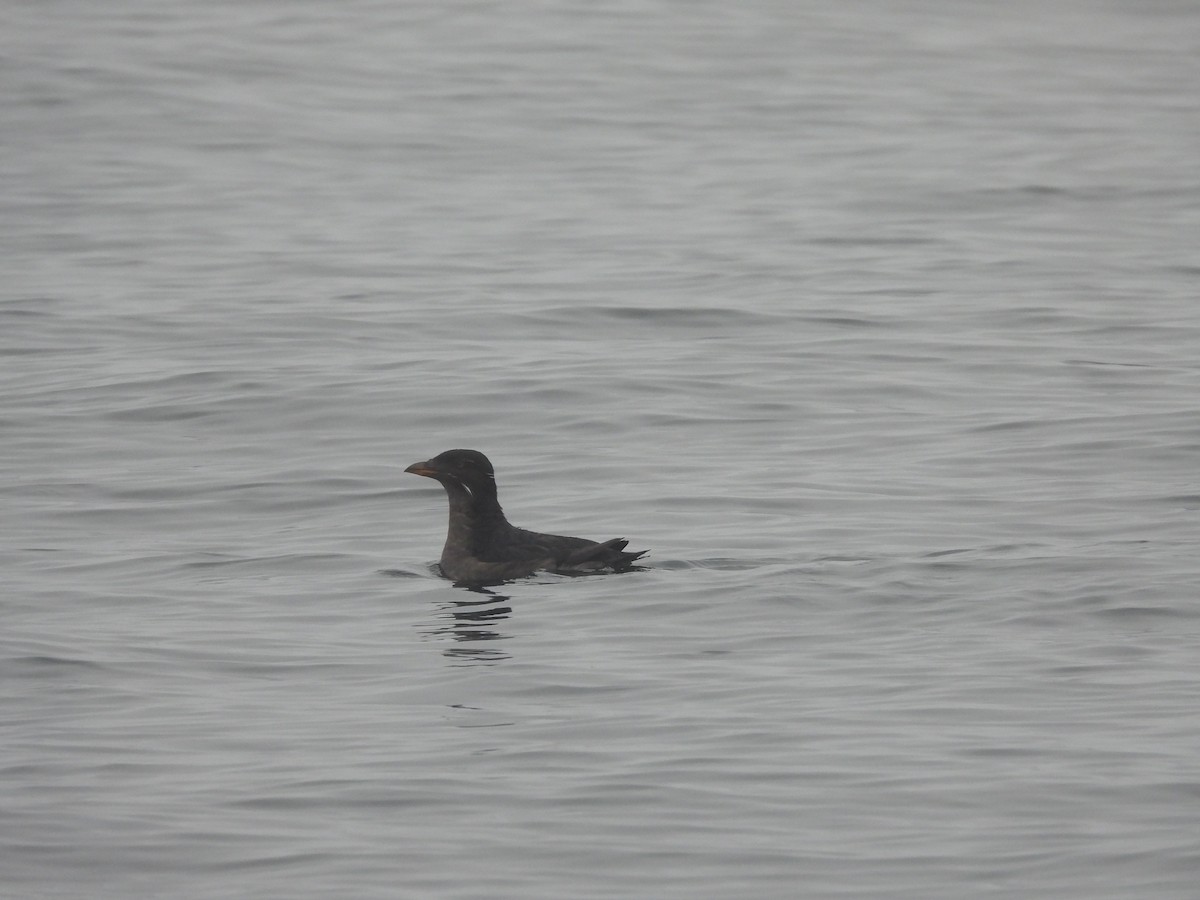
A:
[481,545]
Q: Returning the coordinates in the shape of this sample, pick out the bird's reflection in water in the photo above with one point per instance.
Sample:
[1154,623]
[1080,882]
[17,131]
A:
[472,623]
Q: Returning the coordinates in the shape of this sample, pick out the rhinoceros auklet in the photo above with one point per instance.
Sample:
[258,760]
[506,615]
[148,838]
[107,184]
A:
[481,545]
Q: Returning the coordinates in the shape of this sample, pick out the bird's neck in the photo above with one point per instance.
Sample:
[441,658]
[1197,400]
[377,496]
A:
[471,511]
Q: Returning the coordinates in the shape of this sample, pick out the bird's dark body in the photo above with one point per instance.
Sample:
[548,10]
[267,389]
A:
[483,547]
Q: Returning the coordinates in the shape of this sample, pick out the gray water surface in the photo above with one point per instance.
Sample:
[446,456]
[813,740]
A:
[877,323]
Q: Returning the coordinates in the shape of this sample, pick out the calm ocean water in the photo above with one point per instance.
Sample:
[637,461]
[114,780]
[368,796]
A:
[877,323]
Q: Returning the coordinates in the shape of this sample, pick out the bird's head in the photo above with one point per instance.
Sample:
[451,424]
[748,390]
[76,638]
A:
[469,468]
